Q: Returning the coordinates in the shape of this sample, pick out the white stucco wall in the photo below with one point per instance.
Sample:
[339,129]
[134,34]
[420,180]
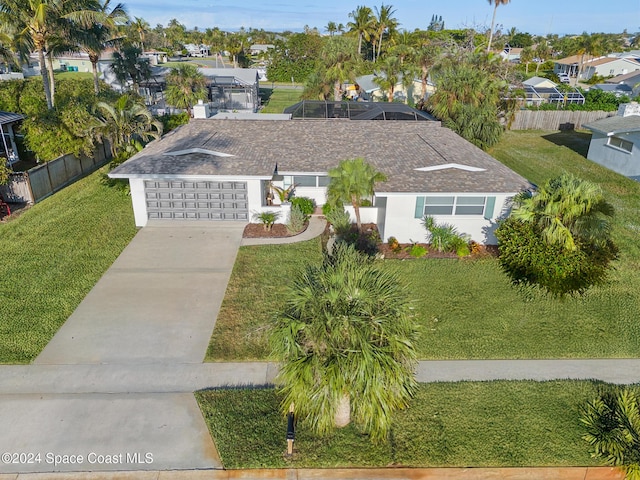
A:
[367,214]
[615,159]
[400,222]
[319,194]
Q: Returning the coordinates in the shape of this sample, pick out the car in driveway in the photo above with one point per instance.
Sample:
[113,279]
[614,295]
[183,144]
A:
[564,78]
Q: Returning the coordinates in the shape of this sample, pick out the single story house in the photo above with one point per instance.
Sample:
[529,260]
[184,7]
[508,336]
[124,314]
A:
[369,90]
[155,57]
[511,54]
[615,141]
[224,170]
[260,48]
[602,66]
[617,89]
[539,90]
[631,79]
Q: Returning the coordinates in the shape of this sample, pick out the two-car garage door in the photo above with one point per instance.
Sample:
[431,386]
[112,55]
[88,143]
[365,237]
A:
[196,200]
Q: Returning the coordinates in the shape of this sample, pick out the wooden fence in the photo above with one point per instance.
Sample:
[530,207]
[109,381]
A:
[555,119]
[43,180]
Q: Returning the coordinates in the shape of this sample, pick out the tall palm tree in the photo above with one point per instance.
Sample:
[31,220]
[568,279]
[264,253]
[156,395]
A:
[7,54]
[38,22]
[612,424]
[126,125]
[352,181]
[362,24]
[331,28]
[94,39]
[568,209]
[340,63]
[185,86]
[141,27]
[385,23]
[495,4]
[425,57]
[391,74]
[345,339]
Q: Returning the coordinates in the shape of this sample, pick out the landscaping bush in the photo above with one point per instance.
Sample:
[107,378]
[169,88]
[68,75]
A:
[169,122]
[306,205]
[528,260]
[267,219]
[340,219]
[445,237]
[296,220]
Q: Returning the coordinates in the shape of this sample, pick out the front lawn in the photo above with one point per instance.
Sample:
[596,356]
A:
[468,308]
[484,424]
[52,255]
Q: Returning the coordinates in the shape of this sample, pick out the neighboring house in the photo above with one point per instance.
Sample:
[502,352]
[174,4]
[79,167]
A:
[510,54]
[12,76]
[539,90]
[8,148]
[224,169]
[197,50]
[233,88]
[155,57]
[631,79]
[617,89]
[367,89]
[259,49]
[602,66]
[615,141]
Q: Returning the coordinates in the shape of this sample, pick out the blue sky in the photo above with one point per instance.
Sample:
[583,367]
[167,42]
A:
[537,17]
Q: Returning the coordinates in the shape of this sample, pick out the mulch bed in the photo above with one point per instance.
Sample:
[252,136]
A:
[480,251]
[278,230]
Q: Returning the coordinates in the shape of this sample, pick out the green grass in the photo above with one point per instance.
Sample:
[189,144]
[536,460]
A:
[260,278]
[276,100]
[482,424]
[74,75]
[468,309]
[52,255]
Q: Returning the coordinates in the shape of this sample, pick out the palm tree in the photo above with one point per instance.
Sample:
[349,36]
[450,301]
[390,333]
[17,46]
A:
[141,27]
[345,340]
[495,4]
[126,125]
[425,57]
[385,23]
[38,22]
[127,65]
[612,424]
[352,181]
[331,28]
[94,39]
[340,63]
[185,86]
[391,74]
[7,54]
[568,209]
[526,56]
[361,25]
[543,52]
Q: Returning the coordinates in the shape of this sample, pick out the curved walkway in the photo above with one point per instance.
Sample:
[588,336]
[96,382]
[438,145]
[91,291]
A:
[314,229]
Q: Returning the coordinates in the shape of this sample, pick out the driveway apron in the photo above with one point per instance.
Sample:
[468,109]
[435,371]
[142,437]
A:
[153,311]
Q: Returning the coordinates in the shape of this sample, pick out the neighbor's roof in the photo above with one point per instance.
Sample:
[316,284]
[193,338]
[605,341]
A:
[247,75]
[535,81]
[617,124]
[575,60]
[613,87]
[8,117]
[627,76]
[253,148]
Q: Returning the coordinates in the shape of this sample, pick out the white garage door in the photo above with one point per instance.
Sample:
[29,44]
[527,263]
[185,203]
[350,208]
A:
[190,200]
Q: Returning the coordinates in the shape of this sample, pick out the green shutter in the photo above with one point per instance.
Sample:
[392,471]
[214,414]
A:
[488,209]
[419,207]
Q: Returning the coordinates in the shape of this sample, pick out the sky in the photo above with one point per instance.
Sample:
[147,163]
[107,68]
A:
[538,17]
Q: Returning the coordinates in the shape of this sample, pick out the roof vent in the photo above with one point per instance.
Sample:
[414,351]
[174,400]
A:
[450,165]
[197,150]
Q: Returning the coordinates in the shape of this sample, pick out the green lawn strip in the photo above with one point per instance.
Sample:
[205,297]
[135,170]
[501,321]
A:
[53,254]
[276,100]
[260,277]
[477,424]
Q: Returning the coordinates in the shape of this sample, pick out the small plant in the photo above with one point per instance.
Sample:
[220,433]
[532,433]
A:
[267,219]
[296,220]
[445,237]
[306,205]
[284,194]
[417,250]
[340,219]
[394,245]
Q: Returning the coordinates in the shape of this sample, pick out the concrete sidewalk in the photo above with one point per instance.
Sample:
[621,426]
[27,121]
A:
[314,229]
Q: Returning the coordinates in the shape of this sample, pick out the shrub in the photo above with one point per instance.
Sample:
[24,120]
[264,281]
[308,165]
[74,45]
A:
[528,260]
[266,218]
[394,245]
[306,205]
[340,219]
[445,237]
[169,122]
[417,251]
[296,220]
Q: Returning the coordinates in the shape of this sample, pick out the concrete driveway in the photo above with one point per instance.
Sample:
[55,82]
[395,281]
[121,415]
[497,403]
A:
[158,302]
[154,309]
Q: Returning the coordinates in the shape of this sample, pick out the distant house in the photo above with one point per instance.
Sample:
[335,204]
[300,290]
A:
[617,89]
[615,141]
[223,170]
[155,57]
[631,79]
[603,66]
[541,90]
[367,89]
[258,48]
[194,50]
[511,54]
[233,88]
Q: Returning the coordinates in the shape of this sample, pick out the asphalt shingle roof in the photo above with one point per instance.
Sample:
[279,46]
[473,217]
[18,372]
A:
[395,148]
[616,124]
